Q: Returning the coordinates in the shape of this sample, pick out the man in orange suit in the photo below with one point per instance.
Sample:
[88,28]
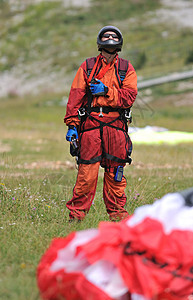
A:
[97,116]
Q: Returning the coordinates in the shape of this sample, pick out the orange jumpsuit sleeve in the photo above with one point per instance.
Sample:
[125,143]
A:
[77,97]
[118,97]
[125,96]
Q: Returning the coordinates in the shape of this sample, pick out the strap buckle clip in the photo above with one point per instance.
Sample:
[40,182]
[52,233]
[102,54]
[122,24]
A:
[128,115]
[81,111]
[101,112]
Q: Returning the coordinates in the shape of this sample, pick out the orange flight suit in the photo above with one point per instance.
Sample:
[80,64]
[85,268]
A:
[103,138]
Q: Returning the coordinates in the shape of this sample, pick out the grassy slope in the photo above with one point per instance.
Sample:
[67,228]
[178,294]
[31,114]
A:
[49,38]
[33,196]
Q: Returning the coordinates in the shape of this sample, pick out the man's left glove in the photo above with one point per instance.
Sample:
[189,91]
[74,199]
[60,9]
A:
[98,88]
[71,133]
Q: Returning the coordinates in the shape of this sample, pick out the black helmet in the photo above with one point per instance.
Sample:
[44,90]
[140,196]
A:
[110,43]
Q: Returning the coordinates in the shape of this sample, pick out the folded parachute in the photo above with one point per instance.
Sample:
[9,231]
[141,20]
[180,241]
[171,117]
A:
[148,256]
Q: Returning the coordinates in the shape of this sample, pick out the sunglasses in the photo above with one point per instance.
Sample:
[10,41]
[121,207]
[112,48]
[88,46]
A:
[107,35]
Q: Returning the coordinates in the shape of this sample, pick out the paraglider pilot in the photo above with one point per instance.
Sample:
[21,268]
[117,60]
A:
[98,113]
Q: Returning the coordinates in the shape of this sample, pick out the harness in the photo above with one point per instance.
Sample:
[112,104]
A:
[100,126]
[93,70]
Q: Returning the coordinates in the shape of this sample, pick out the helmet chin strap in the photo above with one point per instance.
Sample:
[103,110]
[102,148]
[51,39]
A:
[109,52]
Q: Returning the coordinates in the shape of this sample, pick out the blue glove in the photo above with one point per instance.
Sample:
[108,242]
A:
[98,88]
[71,133]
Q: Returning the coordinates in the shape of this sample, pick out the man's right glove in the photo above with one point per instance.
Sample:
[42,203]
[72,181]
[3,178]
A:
[71,133]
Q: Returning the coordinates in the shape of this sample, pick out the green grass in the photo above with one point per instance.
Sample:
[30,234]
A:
[37,175]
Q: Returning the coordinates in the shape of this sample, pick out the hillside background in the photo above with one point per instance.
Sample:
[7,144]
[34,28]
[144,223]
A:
[42,43]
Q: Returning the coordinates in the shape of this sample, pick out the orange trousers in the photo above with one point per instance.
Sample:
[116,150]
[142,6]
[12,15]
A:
[84,191]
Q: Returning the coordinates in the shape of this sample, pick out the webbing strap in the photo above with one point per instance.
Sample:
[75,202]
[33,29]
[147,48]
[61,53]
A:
[90,161]
[103,124]
[94,68]
[101,73]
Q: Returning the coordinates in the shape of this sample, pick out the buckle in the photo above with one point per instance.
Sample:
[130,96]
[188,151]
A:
[127,114]
[81,111]
[101,112]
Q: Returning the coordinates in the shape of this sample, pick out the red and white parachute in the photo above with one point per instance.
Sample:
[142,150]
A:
[148,256]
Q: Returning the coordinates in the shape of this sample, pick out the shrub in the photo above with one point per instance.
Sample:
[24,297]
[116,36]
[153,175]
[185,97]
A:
[189,59]
[139,59]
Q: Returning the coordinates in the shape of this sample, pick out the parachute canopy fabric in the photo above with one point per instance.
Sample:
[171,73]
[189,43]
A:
[154,135]
[147,256]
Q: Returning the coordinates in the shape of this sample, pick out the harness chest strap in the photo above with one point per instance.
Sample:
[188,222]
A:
[101,73]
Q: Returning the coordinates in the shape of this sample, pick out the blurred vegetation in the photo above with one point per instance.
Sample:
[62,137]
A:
[60,38]
[189,59]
